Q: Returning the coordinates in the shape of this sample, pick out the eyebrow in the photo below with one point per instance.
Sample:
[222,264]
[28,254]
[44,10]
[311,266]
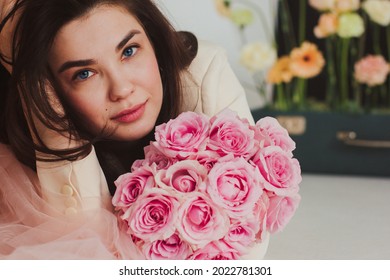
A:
[75,63]
[86,62]
[127,38]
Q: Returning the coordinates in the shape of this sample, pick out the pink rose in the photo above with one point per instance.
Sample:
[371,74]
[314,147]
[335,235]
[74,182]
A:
[270,133]
[184,176]
[372,70]
[185,135]
[260,211]
[281,210]
[153,216]
[231,135]
[217,250]
[155,156]
[207,158]
[200,220]
[137,164]
[282,173]
[242,234]
[235,185]
[131,185]
[172,248]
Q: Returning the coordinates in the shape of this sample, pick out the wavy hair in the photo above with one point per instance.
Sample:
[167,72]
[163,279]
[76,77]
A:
[39,22]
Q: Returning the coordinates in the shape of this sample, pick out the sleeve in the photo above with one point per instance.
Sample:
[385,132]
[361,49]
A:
[220,88]
[74,187]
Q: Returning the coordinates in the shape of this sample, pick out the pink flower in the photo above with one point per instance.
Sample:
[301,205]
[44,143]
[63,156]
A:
[281,210]
[131,185]
[209,188]
[207,158]
[322,5]
[372,70]
[242,234]
[282,173]
[155,156]
[235,185]
[327,25]
[200,220]
[183,136]
[270,133]
[153,216]
[172,248]
[260,212]
[183,176]
[217,250]
[231,135]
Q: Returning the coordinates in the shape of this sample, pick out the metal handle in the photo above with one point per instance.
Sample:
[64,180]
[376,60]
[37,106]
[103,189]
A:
[349,138]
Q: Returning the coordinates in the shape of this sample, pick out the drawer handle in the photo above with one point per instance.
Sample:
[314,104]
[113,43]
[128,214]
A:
[349,138]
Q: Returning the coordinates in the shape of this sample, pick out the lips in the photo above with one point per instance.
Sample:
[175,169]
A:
[130,115]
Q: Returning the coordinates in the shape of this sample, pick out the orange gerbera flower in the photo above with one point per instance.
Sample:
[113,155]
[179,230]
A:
[280,71]
[306,61]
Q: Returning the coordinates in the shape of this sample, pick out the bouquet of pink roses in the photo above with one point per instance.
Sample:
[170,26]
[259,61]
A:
[209,188]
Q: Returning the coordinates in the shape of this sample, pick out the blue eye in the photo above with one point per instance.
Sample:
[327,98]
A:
[82,75]
[130,51]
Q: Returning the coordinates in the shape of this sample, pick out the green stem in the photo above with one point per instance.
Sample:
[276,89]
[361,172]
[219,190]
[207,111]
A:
[302,20]
[362,39]
[375,34]
[357,95]
[368,98]
[286,25]
[344,71]
[330,98]
[281,103]
[299,97]
[354,56]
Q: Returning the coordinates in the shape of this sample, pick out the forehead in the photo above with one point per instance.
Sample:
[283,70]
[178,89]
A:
[102,27]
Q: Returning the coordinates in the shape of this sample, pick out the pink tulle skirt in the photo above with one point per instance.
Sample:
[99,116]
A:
[32,229]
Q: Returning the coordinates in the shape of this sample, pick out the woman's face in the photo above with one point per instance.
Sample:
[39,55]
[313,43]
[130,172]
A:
[107,68]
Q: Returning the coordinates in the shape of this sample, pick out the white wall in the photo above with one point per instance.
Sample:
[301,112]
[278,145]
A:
[201,18]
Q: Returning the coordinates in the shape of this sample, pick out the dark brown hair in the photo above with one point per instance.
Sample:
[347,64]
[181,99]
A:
[35,31]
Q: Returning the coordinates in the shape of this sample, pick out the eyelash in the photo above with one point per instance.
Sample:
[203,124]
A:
[78,73]
[134,48]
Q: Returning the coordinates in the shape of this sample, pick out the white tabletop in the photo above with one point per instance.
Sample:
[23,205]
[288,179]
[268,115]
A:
[339,217]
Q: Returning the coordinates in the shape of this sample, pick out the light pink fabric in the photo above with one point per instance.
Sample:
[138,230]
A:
[32,229]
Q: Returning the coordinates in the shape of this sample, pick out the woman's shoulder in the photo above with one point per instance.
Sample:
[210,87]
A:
[208,54]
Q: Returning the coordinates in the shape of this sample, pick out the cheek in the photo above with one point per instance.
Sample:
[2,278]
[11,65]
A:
[151,76]
[93,110]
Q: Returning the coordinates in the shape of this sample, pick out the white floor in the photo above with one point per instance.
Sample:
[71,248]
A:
[340,217]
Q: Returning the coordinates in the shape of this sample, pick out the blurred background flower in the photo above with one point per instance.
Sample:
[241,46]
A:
[257,56]
[347,47]
[378,11]
[372,70]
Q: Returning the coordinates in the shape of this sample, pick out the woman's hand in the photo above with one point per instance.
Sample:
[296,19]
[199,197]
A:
[52,138]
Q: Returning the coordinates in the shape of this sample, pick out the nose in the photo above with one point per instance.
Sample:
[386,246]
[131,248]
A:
[121,85]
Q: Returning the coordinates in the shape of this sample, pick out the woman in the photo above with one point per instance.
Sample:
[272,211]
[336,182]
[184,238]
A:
[90,80]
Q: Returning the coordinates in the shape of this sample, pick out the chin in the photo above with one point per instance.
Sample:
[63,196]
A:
[134,135]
